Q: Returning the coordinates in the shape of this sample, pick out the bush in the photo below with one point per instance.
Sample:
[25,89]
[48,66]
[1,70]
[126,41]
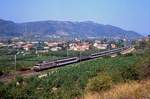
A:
[100,83]
[128,90]
[128,54]
[19,79]
[143,67]
[129,73]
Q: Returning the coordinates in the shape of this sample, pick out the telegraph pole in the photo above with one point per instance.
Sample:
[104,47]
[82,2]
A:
[15,61]
[67,48]
[80,54]
[80,44]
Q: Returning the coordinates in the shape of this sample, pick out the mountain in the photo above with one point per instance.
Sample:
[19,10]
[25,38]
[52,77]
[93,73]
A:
[58,29]
[8,28]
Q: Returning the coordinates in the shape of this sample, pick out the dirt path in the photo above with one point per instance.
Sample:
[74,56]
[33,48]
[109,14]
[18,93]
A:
[11,76]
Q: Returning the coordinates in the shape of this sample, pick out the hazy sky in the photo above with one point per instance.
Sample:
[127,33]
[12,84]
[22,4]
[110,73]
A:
[127,14]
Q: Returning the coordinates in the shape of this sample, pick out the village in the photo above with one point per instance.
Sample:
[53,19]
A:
[54,46]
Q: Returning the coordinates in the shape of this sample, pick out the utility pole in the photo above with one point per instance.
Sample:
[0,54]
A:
[80,44]
[67,48]
[15,59]
[80,54]
[15,62]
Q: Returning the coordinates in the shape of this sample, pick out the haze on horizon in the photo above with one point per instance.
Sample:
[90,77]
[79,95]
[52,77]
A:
[127,14]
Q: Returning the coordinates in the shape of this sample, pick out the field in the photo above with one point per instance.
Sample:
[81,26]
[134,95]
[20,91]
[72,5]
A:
[29,59]
[72,81]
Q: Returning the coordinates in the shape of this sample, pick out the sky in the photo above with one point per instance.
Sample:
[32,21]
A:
[127,14]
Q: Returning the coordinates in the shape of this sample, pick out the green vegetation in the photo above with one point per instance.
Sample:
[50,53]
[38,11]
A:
[101,82]
[73,80]
[135,83]
[29,59]
[127,90]
[70,81]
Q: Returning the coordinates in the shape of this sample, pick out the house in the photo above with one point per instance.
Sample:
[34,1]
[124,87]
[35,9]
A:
[113,46]
[1,44]
[27,47]
[147,38]
[19,44]
[79,46]
[46,47]
[55,48]
[100,46]
[52,44]
[35,42]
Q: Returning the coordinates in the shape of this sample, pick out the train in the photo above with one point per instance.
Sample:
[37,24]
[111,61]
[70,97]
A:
[71,60]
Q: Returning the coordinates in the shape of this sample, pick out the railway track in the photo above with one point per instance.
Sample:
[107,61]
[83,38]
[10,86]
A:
[62,62]
[36,70]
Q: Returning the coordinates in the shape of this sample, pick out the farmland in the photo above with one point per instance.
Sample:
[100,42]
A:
[74,81]
[70,82]
[29,59]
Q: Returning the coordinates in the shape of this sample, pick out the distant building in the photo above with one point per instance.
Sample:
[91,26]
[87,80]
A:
[79,46]
[97,41]
[55,48]
[1,44]
[140,40]
[53,44]
[35,42]
[148,37]
[27,47]
[113,46]
[19,44]
[46,47]
[100,46]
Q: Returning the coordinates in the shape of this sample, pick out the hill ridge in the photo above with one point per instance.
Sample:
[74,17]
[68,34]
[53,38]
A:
[58,29]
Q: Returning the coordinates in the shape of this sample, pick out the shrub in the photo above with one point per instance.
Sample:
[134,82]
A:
[143,67]
[3,90]
[19,79]
[128,90]
[129,73]
[100,83]
[129,54]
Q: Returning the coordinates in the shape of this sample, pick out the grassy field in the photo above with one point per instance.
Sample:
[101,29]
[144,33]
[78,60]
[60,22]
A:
[128,90]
